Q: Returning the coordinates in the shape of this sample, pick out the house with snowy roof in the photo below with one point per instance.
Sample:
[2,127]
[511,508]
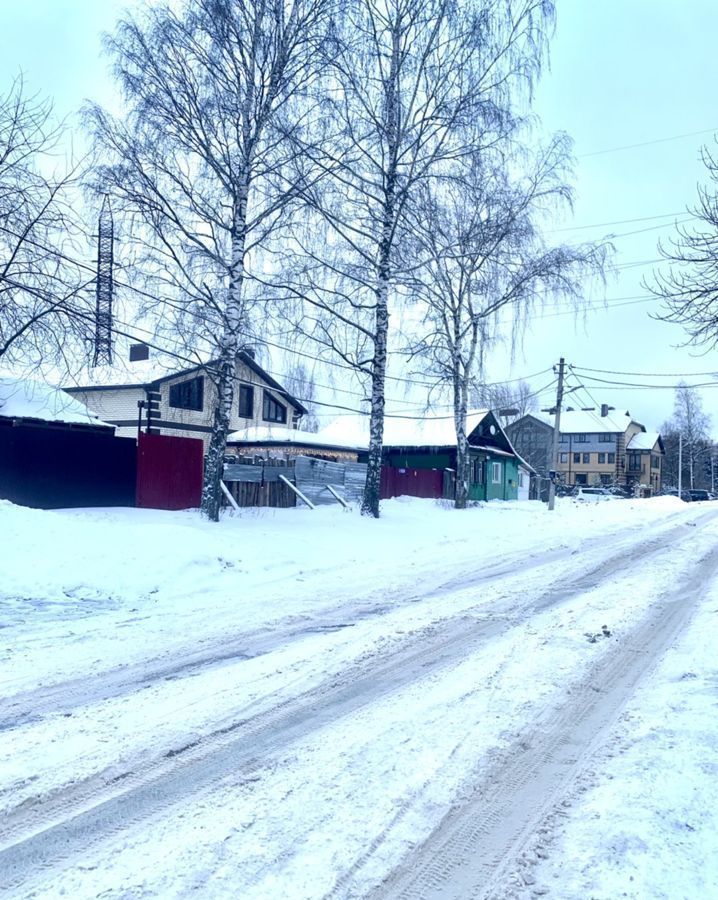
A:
[55,452]
[28,403]
[156,394]
[415,447]
[419,454]
[596,446]
[281,442]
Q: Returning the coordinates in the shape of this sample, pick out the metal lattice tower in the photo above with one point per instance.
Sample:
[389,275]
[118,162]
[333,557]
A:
[104,286]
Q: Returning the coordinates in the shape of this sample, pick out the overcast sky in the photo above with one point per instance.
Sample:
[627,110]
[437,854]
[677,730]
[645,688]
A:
[622,73]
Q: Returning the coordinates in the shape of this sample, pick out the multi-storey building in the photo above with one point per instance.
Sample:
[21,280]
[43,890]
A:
[595,447]
[142,392]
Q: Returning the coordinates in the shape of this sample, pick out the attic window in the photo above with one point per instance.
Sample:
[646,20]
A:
[272,410]
[139,352]
[188,394]
[246,401]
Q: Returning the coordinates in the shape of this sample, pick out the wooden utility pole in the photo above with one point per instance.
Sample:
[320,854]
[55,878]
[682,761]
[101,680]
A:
[556,430]
[680,465]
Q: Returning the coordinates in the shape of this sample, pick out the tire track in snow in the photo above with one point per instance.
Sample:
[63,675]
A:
[31,706]
[49,833]
[475,851]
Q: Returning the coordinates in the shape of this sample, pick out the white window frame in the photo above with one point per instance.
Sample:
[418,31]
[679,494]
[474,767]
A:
[496,469]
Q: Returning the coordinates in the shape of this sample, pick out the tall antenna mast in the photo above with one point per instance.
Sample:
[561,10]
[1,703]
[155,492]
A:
[104,286]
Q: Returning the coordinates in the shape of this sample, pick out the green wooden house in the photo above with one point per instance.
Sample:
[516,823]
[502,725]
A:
[420,458]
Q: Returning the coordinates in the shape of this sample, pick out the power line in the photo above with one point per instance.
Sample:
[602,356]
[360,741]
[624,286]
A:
[659,387]
[594,308]
[648,374]
[280,391]
[622,222]
[663,140]
[269,343]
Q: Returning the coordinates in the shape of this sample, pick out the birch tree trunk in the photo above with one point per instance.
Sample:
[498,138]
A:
[461,496]
[226,376]
[372,488]
[208,163]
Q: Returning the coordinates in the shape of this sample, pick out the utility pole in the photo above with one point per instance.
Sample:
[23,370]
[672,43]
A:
[556,430]
[713,480]
[680,465]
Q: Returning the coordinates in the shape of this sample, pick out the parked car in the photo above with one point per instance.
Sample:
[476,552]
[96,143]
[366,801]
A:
[697,495]
[594,494]
[672,492]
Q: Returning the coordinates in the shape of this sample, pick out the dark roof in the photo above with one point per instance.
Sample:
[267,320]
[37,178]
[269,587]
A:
[521,419]
[244,357]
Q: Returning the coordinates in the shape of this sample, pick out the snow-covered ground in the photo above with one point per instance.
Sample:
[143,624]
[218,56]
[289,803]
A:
[644,822]
[286,704]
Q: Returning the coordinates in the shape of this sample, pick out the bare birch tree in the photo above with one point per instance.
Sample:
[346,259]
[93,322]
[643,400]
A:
[688,286]
[478,237]
[43,296]
[519,397]
[216,97]
[407,79]
[691,423]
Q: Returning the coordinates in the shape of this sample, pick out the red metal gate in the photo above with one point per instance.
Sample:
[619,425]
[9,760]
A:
[169,472]
[411,483]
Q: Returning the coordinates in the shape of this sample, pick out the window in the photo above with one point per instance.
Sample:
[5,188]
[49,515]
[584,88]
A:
[601,458]
[605,438]
[246,401]
[521,478]
[273,410]
[611,458]
[634,462]
[605,479]
[563,438]
[580,439]
[139,352]
[496,472]
[587,457]
[655,462]
[188,394]
[477,471]
[577,457]
[564,457]
[582,478]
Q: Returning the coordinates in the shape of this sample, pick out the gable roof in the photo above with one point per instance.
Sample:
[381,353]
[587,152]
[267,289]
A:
[645,440]
[21,398]
[153,372]
[579,421]
[539,420]
[280,435]
[427,431]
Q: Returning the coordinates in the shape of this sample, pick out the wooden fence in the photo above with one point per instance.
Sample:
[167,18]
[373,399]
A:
[254,482]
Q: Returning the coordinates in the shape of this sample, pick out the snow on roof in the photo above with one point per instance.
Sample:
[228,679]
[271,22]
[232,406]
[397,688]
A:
[428,431]
[645,440]
[21,398]
[579,421]
[284,435]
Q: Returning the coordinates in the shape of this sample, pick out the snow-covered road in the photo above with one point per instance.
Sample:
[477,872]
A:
[349,728]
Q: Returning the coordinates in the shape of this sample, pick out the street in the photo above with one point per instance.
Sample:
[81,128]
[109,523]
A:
[406,744]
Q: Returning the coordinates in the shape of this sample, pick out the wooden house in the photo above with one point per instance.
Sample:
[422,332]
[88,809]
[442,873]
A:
[419,456]
[154,395]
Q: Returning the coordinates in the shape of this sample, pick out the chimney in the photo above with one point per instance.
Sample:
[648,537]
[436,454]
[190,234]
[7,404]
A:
[139,352]
[250,352]
[604,410]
